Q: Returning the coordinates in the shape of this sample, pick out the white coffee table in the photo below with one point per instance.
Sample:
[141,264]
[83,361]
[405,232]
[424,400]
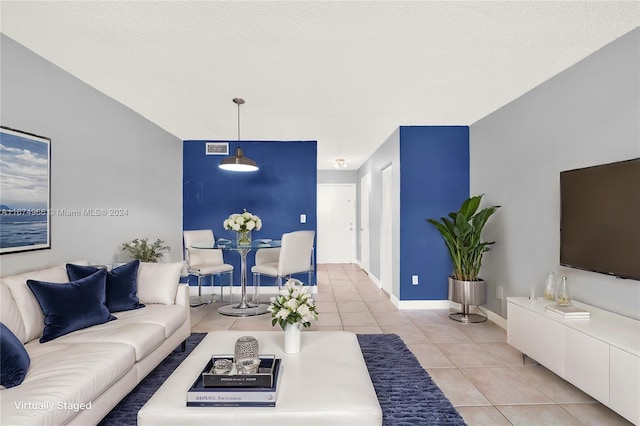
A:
[327,383]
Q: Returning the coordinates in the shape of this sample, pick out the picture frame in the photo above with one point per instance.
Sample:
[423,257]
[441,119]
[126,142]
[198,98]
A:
[25,191]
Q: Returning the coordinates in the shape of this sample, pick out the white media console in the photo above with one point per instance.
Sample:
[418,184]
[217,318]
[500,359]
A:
[600,356]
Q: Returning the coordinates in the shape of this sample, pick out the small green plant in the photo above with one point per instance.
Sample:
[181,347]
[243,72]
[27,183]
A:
[143,251]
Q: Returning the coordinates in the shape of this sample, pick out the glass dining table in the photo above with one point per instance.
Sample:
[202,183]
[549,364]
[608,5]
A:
[245,307]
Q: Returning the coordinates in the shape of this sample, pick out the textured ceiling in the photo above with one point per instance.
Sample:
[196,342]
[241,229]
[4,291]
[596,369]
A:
[343,73]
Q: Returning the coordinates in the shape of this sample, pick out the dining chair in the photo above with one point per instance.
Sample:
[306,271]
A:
[204,262]
[295,255]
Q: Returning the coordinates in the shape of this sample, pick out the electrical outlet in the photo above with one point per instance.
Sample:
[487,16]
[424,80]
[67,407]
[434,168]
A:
[499,292]
[414,279]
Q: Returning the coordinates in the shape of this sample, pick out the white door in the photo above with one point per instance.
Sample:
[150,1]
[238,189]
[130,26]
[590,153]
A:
[386,234]
[336,223]
[364,223]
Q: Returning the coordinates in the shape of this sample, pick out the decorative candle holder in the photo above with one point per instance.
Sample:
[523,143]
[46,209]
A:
[247,355]
[222,366]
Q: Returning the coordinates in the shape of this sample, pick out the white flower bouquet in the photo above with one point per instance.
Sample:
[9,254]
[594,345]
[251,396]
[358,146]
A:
[293,305]
[243,222]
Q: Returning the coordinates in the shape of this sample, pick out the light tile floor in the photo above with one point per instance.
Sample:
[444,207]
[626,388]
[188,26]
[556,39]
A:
[478,371]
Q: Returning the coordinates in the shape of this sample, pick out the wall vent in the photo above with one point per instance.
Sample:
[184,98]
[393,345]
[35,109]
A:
[217,148]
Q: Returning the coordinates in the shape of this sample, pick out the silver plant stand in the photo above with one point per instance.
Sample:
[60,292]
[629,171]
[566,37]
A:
[467,293]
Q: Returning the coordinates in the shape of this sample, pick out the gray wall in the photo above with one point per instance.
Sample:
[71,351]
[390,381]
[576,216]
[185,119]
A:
[387,154]
[586,115]
[337,176]
[103,155]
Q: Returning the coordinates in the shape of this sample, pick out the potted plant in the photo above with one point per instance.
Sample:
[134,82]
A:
[462,231]
[143,251]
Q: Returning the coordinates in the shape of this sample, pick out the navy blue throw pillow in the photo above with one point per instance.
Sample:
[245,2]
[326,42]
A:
[71,306]
[122,284]
[15,359]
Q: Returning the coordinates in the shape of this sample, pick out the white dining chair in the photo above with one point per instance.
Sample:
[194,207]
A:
[205,263]
[295,255]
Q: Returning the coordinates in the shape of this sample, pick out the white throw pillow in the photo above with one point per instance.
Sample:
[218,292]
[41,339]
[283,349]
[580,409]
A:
[158,282]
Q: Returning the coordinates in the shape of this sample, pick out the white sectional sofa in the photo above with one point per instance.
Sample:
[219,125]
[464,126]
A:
[77,378]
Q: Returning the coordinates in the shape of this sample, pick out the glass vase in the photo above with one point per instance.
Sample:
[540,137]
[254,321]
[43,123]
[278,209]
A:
[550,287]
[243,238]
[563,293]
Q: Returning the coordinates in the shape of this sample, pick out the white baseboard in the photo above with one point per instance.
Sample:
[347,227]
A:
[371,277]
[447,304]
[270,290]
[419,304]
[206,290]
[497,319]
[376,281]
[492,316]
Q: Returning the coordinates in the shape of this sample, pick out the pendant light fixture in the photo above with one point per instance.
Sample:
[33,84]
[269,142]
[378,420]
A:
[238,162]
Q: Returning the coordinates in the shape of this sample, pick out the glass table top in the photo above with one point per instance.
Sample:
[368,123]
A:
[225,244]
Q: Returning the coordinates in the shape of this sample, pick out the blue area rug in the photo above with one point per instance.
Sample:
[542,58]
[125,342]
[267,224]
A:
[406,393]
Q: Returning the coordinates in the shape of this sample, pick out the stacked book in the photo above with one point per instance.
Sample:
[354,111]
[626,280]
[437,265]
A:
[236,390]
[568,312]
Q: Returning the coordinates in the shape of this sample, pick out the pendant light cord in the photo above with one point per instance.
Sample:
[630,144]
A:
[238,101]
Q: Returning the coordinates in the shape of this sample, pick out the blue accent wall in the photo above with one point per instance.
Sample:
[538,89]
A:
[434,180]
[279,192]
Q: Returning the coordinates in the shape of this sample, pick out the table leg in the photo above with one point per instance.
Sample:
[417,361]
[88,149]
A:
[244,308]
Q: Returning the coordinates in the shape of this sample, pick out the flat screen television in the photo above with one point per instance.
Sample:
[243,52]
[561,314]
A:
[600,219]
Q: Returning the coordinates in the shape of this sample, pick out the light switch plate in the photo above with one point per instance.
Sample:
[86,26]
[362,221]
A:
[303,218]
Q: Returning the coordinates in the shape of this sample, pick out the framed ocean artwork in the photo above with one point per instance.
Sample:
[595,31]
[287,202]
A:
[25,191]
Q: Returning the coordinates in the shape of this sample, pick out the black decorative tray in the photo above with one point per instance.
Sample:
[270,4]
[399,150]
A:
[264,378]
